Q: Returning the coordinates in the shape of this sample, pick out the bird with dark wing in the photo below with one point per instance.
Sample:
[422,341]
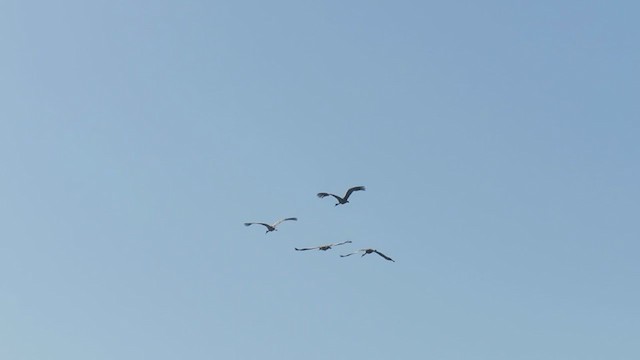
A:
[368,251]
[345,199]
[270,227]
[324,247]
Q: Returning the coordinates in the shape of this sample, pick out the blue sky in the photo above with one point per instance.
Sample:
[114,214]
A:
[498,142]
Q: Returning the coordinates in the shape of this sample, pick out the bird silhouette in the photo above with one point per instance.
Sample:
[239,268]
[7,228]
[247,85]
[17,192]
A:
[368,251]
[271,227]
[345,199]
[324,247]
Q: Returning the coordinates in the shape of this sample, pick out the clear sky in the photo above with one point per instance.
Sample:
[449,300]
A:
[498,141]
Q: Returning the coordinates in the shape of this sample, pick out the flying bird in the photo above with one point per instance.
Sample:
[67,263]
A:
[345,199]
[273,226]
[369,251]
[324,247]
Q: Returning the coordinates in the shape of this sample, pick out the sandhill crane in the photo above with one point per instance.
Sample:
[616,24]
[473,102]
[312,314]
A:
[271,227]
[369,251]
[324,247]
[342,200]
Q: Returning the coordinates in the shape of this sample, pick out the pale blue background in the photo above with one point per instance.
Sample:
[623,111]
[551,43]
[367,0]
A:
[498,140]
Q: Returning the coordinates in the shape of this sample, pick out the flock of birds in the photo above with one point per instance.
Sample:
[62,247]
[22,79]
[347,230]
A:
[341,201]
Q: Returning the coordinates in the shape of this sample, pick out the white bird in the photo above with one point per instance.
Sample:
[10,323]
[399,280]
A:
[369,251]
[324,247]
[342,200]
[271,227]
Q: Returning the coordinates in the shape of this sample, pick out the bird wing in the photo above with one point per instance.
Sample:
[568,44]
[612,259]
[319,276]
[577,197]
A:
[342,243]
[305,249]
[355,188]
[355,252]
[383,255]
[263,224]
[322,195]
[279,221]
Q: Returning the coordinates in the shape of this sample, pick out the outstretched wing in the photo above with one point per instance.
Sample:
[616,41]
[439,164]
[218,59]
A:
[305,249]
[353,253]
[279,221]
[383,255]
[263,224]
[342,243]
[355,188]
[322,195]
